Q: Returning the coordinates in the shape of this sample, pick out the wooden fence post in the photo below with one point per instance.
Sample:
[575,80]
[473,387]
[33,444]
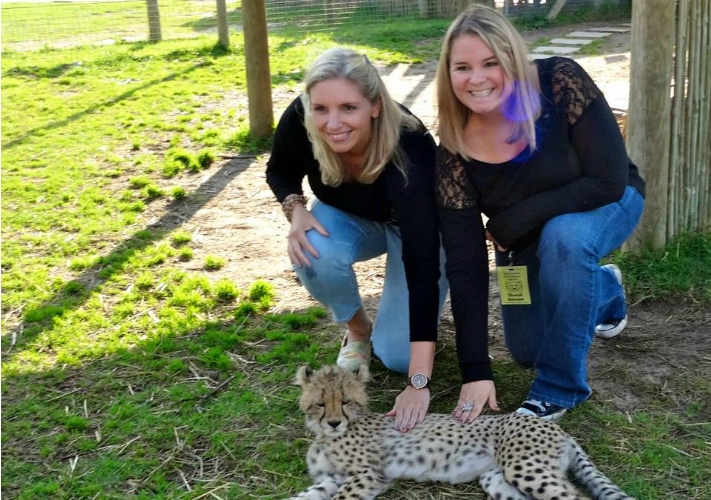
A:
[256,52]
[223,31]
[423,8]
[648,124]
[154,34]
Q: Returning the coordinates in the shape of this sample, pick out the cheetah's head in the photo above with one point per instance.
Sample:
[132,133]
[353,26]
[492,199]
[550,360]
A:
[332,398]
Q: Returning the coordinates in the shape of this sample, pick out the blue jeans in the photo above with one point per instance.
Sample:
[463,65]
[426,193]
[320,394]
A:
[570,294]
[331,280]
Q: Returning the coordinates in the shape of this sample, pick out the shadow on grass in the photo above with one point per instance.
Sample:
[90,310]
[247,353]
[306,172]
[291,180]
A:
[76,292]
[195,409]
[187,401]
[100,106]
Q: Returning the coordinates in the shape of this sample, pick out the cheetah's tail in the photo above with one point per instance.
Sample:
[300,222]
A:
[599,485]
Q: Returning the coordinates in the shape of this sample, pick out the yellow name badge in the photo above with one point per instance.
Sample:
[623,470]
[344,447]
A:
[513,285]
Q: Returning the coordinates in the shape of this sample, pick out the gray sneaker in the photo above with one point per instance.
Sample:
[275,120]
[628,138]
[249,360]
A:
[614,327]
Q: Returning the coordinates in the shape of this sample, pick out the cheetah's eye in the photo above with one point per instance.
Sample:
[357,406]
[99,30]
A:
[321,405]
[345,402]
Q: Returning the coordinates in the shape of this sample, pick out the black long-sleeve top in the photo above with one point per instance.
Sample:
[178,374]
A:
[580,164]
[409,203]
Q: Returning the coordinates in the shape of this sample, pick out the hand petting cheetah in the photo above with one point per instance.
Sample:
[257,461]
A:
[358,455]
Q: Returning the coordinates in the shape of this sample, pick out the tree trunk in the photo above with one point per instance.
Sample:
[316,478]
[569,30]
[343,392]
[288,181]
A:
[648,125]
[256,52]
[154,34]
[555,10]
[223,30]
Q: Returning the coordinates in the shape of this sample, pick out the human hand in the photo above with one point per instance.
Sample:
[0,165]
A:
[410,408]
[301,221]
[478,393]
[490,237]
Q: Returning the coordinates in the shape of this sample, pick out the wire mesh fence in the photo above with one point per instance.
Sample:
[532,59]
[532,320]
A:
[31,25]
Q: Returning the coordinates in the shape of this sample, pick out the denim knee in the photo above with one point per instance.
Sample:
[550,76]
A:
[564,243]
[332,254]
[523,356]
[394,360]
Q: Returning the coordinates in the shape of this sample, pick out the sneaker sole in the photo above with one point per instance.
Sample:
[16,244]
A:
[612,332]
[551,418]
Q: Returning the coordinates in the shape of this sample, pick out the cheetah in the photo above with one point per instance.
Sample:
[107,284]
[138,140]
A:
[358,455]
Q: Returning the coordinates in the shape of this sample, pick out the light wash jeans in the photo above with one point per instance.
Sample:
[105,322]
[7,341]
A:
[570,294]
[331,280]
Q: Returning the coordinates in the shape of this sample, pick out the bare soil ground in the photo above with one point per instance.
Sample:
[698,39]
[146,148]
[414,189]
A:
[236,217]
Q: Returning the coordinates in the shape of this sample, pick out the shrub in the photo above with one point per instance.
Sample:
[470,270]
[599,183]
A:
[205,158]
[226,291]
[178,193]
[139,182]
[246,309]
[243,142]
[182,156]
[259,290]
[185,253]
[171,168]
[151,192]
[213,263]
[145,281]
[181,237]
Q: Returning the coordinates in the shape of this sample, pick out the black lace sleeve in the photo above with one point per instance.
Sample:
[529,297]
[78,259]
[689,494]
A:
[593,137]
[573,89]
[454,189]
[467,264]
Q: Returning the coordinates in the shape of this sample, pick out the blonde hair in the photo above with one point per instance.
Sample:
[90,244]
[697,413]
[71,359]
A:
[523,107]
[384,145]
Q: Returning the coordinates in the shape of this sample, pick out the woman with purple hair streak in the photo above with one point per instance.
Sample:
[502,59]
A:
[535,148]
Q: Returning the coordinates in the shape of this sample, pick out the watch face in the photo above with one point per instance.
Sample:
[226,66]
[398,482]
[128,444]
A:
[419,380]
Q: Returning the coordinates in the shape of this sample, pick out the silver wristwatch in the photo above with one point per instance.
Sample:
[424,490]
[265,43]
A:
[419,381]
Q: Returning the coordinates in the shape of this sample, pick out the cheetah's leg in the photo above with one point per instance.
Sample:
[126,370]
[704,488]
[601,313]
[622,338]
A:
[541,483]
[363,486]
[595,481]
[323,489]
[495,485]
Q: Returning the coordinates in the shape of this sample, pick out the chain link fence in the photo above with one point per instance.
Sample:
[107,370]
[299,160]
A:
[32,25]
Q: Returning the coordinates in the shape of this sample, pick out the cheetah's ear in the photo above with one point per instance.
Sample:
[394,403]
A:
[303,375]
[363,374]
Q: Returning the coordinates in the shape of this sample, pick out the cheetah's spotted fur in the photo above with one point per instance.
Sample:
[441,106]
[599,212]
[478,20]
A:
[358,455]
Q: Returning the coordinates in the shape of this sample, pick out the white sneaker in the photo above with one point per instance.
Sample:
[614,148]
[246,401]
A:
[609,330]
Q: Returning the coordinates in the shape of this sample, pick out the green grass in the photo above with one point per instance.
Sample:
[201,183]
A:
[608,10]
[213,403]
[87,22]
[681,269]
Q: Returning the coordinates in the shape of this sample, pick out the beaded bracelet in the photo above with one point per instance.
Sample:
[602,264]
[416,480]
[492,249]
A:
[290,203]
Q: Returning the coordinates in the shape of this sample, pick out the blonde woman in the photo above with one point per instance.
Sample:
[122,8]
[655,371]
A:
[370,164]
[534,147]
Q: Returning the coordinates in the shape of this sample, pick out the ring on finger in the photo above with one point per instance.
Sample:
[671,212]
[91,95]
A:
[467,407]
